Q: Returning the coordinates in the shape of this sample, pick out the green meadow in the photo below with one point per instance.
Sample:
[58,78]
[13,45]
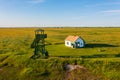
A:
[100,56]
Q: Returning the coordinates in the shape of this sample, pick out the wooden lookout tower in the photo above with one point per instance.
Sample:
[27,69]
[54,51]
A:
[39,44]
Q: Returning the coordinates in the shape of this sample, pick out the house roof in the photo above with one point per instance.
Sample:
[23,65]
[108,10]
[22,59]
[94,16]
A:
[72,38]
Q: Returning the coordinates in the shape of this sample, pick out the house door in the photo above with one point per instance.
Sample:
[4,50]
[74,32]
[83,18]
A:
[77,44]
[73,45]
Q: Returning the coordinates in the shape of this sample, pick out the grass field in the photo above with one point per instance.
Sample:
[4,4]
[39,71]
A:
[101,56]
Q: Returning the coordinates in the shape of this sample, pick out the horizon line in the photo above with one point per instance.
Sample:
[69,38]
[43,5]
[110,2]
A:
[67,27]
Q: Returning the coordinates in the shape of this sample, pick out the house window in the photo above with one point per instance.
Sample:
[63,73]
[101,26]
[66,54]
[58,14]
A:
[78,43]
[67,43]
[81,43]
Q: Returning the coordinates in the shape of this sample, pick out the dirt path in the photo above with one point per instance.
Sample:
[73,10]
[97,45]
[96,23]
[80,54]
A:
[78,72]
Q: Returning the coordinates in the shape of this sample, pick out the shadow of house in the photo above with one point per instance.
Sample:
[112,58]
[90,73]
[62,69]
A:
[118,55]
[101,56]
[99,45]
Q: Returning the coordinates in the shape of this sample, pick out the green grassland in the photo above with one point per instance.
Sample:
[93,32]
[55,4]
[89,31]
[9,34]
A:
[101,55]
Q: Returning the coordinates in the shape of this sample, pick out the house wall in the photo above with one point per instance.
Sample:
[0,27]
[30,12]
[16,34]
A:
[81,41]
[68,43]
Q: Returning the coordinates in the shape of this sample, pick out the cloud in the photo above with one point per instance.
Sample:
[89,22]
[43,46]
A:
[36,1]
[111,11]
[104,4]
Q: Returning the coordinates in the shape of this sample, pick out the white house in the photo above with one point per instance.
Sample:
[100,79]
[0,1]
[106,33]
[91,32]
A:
[74,42]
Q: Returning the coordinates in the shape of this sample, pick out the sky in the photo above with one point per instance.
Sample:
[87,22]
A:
[55,13]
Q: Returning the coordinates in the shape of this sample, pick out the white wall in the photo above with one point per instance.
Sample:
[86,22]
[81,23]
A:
[68,43]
